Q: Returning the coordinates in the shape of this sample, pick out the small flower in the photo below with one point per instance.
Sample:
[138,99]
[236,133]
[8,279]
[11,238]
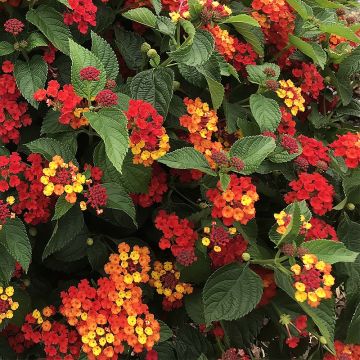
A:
[90,73]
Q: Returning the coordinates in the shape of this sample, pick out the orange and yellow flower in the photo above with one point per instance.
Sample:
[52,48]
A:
[291,95]
[7,304]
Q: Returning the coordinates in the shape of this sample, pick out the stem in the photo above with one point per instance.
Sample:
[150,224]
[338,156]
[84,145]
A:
[219,345]
[275,261]
[185,198]
[166,62]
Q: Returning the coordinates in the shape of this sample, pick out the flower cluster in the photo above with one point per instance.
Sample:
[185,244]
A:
[14,26]
[311,81]
[348,147]
[344,352]
[276,19]
[295,329]
[287,124]
[178,236]
[156,190]
[213,11]
[65,100]
[283,220]
[313,280]
[315,189]
[313,153]
[82,13]
[59,340]
[13,113]
[7,304]
[201,122]
[320,230]
[148,138]
[236,203]
[291,95]
[5,212]
[165,278]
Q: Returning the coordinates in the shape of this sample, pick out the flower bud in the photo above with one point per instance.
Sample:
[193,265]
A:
[151,53]
[145,47]
[246,256]
[176,85]
[322,340]
[350,206]
[90,241]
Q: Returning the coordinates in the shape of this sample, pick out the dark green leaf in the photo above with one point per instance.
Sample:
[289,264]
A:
[61,207]
[266,112]
[141,15]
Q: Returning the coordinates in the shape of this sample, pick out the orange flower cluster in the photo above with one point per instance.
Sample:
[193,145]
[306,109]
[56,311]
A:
[313,280]
[202,124]
[283,220]
[291,95]
[236,203]
[113,315]
[224,42]
[61,177]
[344,352]
[7,305]
[166,280]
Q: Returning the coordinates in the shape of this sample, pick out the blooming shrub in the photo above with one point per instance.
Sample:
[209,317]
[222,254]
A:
[179,180]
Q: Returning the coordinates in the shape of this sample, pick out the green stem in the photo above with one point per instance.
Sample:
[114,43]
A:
[185,198]
[219,345]
[275,261]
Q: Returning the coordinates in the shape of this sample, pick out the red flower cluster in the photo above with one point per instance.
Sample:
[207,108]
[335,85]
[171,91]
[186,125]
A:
[14,26]
[96,197]
[311,80]
[287,124]
[49,54]
[16,338]
[236,203]
[344,352]
[315,189]
[320,230]
[4,213]
[348,147]
[60,342]
[187,176]
[290,144]
[313,153]
[295,329]
[148,138]
[178,235]
[157,188]
[276,19]
[66,101]
[12,111]
[83,14]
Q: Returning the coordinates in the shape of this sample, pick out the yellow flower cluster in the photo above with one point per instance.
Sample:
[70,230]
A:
[283,220]
[60,177]
[7,305]
[291,95]
[313,280]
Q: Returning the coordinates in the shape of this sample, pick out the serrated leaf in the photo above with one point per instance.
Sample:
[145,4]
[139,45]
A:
[6,48]
[48,148]
[65,230]
[241,18]
[165,332]
[340,30]
[141,15]
[81,58]
[323,316]
[198,52]
[61,207]
[353,333]
[111,125]
[51,24]
[97,254]
[266,112]
[51,124]
[330,251]
[14,239]
[224,180]
[30,76]
[252,150]
[301,8]
[231,292]
[252,35]
[35,40]
[351,65]
[165,25]
[154,86]
[312,50]
[195,308]
[7,265]
[280,155]
[187,158]
[119,199]
[217,90]
[257,75]
[157,6]
[106,55]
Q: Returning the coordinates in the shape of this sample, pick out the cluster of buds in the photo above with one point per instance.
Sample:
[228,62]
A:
[313,280]
[217,237]
[283,220]
[213,11]
[7,305]
[222,160]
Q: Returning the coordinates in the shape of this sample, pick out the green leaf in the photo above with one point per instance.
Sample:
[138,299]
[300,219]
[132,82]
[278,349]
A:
[14,239]
[257,75]
[312,50]
[81,58]
[30,76]
[154,86]
[165,332]
[61,207]
[111,125]
[35,40]
[7,265]
[195,308]
[252,35]
[252,150]
[48,148]
[330,251]
[351,65]
[141,15]
[301,8]
[231,292]
[280,155]
[216,89]
[65,230]
[323,316]
[224,180]
[106,55]
[51,124]
[241,18]
[266,112]
[157,6]
[340,30]
[119,199]
[165,25]
[353,333]
[97,254]
[328,4]
[198,52]
[6,48]
[187,158]
[351,185]
[51,24]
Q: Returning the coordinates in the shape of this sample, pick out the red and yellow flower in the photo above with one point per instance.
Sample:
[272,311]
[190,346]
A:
[291,95]
[7,304]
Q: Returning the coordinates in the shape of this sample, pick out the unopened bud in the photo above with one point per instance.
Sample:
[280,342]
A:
[301,251]
[90,241]
[176,85]
[272,85]
[268,71]
[350,206]
[145,47]
[246,256]
[151,53]
[288,249]
[322,340]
